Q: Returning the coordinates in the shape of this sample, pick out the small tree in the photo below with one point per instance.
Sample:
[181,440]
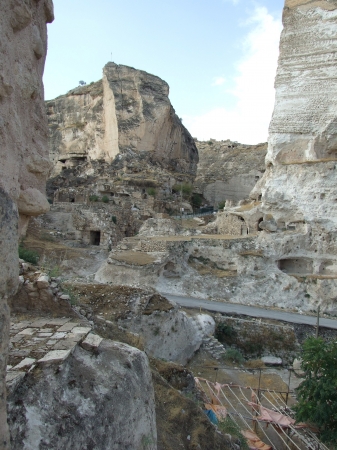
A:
[317,394]
[196,200]
[105,199]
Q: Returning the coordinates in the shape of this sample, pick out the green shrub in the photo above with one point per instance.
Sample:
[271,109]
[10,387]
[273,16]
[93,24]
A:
[54,271]
[222,204]
[225,333]
[210,142]
[93,198]
[196,200]
[184,188]
[114,219]
[151,191]
[317,394]
[105,199]
[228,426]
[234,355]
[28,255]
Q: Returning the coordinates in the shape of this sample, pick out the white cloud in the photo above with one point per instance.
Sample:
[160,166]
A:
[247,122]
[218,81]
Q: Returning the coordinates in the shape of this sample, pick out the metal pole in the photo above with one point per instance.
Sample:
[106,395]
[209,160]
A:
[317,324]
[287,394]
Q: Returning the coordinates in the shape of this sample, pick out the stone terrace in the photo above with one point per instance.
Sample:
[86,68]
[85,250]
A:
[41,341]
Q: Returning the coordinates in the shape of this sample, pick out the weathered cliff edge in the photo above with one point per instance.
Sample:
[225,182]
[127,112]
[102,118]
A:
[128,109]
[23,147]
[228,170]
[280,249]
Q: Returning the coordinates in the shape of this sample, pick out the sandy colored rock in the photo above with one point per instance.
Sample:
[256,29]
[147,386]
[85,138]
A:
[129,110]
[23,134]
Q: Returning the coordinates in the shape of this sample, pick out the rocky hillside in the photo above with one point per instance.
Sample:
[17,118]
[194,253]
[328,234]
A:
[228,170]
[280,248]
[128,110]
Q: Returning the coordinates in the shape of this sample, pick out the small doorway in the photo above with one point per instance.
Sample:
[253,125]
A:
[95,237]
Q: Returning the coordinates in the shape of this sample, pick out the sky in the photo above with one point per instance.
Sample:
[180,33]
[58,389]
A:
[219,57]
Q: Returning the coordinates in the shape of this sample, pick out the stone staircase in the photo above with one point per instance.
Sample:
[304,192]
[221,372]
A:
[214,347]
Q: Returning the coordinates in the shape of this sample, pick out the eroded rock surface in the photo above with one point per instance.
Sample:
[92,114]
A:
[228,170]
[58,407]
[23,146]
[128,109]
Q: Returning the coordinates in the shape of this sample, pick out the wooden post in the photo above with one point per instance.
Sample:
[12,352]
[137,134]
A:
[317,323]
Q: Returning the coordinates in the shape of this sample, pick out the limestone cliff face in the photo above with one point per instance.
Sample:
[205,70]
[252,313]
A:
[280,249]
[228,170]
[23,146]
[128,109]
[299,186]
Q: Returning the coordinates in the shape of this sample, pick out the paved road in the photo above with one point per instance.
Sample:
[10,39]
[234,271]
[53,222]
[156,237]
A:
[231,308]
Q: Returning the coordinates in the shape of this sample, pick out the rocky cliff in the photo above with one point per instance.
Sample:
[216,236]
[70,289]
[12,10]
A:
[128,110]
[280,249]
[228,170]
[23,146]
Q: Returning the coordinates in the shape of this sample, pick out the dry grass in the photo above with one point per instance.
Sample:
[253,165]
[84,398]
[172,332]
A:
[248,207]
[252,253]
[134,258]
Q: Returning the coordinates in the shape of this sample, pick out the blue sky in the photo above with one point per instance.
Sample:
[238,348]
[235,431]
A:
[218,56]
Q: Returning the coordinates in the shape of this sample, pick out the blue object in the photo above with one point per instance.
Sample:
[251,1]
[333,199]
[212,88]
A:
[211,415]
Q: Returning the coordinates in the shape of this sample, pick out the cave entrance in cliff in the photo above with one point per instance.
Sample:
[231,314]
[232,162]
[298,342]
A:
[258,224]
[95,237]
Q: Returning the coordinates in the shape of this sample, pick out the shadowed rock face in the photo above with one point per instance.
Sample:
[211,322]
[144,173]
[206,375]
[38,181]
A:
[23,147]
[101,400]
[128,110]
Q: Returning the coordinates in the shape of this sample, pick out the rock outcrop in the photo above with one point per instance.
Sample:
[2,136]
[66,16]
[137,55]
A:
[23,146]
[102,399]
[280,248]
[228,170]
[128,110]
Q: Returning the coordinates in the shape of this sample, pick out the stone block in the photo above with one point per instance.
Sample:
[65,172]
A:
[65,344]
[271,360]
[39,323]
[28,331]
[67,326]
[59,335]
[81,330]
[24,364]
[43,281]
[57,321]
[91,342]
[54,357]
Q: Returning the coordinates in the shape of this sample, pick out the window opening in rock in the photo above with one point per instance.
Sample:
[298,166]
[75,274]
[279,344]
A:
[258,224]
[95,237]
[259,197]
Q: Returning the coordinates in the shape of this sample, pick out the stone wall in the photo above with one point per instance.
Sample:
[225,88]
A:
[23,146]
[153,246]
